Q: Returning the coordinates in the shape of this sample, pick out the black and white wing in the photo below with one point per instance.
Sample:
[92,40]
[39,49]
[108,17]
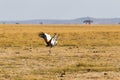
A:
[46,37]
[54,40]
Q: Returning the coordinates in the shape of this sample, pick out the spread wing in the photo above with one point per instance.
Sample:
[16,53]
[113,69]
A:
[45,36]
[54,39]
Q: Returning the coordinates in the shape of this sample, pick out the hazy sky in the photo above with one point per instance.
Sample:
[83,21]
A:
[58,9]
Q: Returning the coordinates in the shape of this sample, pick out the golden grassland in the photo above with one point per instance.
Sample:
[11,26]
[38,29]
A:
[84,52]
[69,35]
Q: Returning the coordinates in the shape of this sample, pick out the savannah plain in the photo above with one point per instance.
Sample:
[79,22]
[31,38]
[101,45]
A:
[83,52]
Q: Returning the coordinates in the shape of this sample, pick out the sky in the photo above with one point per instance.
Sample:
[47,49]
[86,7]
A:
[58,9]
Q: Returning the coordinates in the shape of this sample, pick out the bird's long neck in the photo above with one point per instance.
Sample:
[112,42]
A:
[55,37]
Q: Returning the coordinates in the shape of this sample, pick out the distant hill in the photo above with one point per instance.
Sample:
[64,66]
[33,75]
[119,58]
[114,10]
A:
[72,21]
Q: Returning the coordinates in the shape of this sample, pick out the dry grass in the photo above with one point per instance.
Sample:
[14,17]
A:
[101,63]
[69,35]
[89,52]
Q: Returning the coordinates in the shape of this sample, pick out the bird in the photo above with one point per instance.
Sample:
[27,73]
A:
[50,41]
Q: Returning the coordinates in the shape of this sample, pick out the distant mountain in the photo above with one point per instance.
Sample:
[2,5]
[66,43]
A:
[72,21]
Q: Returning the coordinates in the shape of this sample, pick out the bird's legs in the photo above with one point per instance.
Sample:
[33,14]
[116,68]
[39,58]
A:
[50,50]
